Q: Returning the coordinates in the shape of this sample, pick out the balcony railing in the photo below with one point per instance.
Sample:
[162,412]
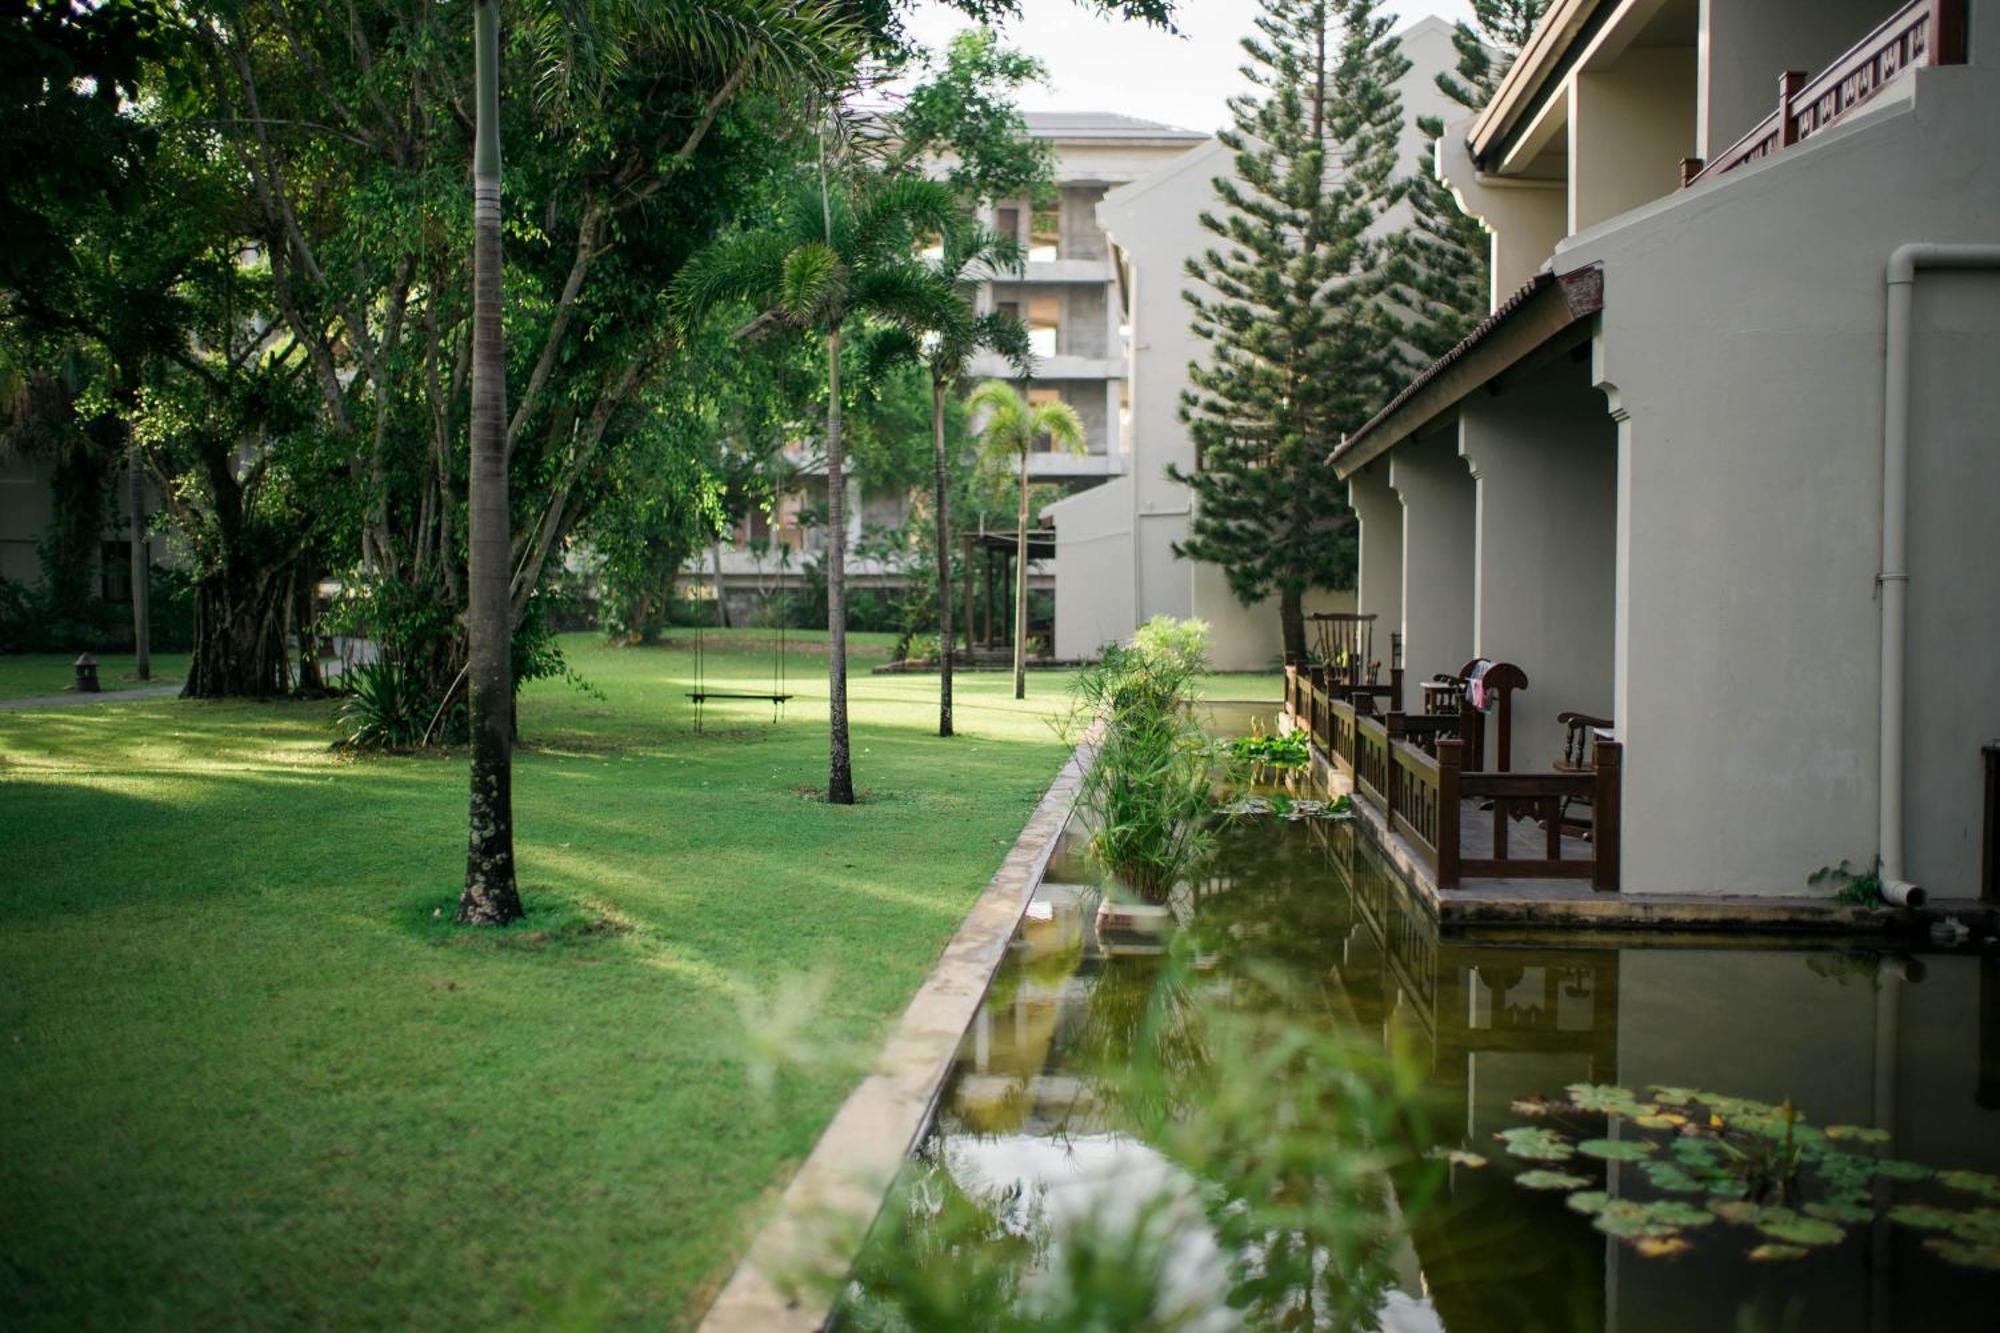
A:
[1421,774]
[1924,32]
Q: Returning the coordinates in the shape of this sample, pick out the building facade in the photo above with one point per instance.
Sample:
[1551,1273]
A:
[1720,468]
[1068,294]
[1115,561]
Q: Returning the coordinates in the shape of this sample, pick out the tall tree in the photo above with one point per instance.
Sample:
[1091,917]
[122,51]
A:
[490,897]
[1012,428]
[956,332]
[1300,349]
[843,247]
[1443,275]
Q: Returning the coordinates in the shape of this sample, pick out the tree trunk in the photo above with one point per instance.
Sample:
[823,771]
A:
[305,613]
[142,628]
[239,635]
[938,462]
[490,897]
[1021,587]
[840,769]
[1292,624]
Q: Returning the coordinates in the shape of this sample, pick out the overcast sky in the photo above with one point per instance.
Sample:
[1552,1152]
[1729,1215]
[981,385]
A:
[1103,64]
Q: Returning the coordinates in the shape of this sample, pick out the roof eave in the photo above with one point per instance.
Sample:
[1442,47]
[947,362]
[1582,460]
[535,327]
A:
[1539,311]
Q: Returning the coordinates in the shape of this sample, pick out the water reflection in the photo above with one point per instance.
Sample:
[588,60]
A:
[1307,915]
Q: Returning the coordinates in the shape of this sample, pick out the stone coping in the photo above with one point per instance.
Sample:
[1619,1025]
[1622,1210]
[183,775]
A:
[789,1279]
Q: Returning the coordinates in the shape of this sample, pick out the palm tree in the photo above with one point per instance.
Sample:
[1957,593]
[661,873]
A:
[840,250]
[491,897]
[956,332]
[1013,425]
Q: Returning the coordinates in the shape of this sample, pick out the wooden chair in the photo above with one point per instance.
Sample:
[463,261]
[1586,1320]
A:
[1579,733]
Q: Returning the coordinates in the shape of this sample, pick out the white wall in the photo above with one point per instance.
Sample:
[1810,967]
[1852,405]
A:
[1438,554]
[1742,344]
[1378,583]
[1544,458]
[1747,44]
[1629,127]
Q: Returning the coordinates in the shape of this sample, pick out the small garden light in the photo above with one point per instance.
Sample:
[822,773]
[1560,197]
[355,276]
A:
[86,675]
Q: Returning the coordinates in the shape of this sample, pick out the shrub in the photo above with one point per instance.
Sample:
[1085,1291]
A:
[387,708]
[1149,792]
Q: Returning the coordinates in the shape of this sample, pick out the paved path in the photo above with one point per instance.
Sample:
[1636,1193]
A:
[106,697]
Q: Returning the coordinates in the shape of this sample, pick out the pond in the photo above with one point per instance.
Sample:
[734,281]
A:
[1299,962]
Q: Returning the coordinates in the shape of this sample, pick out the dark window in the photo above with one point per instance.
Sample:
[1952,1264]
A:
[1007,221]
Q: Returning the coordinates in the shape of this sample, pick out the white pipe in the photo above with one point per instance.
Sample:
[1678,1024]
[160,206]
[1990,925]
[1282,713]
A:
[1894,578]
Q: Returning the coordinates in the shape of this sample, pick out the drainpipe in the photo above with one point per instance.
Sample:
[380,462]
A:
[1895,576]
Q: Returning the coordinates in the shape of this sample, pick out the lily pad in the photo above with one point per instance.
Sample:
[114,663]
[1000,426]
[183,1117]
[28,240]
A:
[1923,1217]
[1662,1247]
[1533,1105]
[1618,1150]
[1673,1096]
[1662,1218]
[1550,1180]
[1747,1213]
[1607,1099]
[1892,1168]
[1973,1182]
[1803,1231]
[1768,1253]
[1660,1120]
[1456,1156]
[1856,1134]
[1966,1255]
[1672,1178]
[1536,1144]
[1587,1201]
[1847,1214]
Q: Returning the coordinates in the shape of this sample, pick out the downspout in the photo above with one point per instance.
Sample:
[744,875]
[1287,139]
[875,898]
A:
[1894,578]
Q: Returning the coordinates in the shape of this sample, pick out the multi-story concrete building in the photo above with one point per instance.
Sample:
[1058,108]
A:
[1070,297]
[1115,565]
[1719,469]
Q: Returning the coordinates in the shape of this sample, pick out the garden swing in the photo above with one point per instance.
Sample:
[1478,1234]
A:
[701,694]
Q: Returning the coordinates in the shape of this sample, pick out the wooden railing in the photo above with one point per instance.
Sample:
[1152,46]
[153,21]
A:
[1924,32]
[1426,792]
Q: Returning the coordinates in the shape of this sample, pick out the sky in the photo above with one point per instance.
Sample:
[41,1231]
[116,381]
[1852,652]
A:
[1108,64]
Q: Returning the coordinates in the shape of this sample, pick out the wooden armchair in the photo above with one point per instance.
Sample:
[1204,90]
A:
[1579,736]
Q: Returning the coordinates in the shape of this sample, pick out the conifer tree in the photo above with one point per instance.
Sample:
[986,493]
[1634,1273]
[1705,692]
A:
[1288,301]
[1442,273]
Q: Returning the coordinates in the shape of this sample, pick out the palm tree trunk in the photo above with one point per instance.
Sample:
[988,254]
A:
[840,768]
[943,559]
[490,897]
[142,568]
[1021,587]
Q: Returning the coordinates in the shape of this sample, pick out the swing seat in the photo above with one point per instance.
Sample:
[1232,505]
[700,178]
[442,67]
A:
[703,696]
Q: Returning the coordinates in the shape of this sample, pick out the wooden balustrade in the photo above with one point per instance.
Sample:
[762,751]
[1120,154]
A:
[1924,32]
[1426,791]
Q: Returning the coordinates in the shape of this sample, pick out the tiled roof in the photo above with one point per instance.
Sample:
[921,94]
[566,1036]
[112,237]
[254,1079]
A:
[1101,125]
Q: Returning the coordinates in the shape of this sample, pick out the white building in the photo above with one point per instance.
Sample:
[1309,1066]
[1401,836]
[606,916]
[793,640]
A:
[1067,294]
[1722,467]
[1115,564]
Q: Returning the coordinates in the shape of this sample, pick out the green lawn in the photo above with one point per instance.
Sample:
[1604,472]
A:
[251,1077]
[30,675]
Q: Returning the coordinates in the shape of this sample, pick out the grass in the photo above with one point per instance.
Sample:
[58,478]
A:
[31,675]
[251,1076]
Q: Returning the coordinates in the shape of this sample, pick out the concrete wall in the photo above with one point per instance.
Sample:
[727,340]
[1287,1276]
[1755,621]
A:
[1747,44]
[25,511]
[1378,584]
[1438,557]
[1629,127]
[1544,459]
[1741,343]
[1523,218]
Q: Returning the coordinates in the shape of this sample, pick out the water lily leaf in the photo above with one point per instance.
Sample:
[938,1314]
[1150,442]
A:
[1733,1107]
[1856,1134]
[1981,1226]
[1671,1178]
[1587,1201]
[1535,1144]
[1846,1213]
[1968,1256]
[1803,1231]
[1674,1096]
[1618,1150]
[1923,1217]
[1696,1151]
[1631,1220]
[1660,1120]
[1895,1169]
[1750,1214]
[1656,1247]
[1609,1100]
[1550,1180]
[1533,1105]
[1974,1182]
[1456,1156]
[1769,1253]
